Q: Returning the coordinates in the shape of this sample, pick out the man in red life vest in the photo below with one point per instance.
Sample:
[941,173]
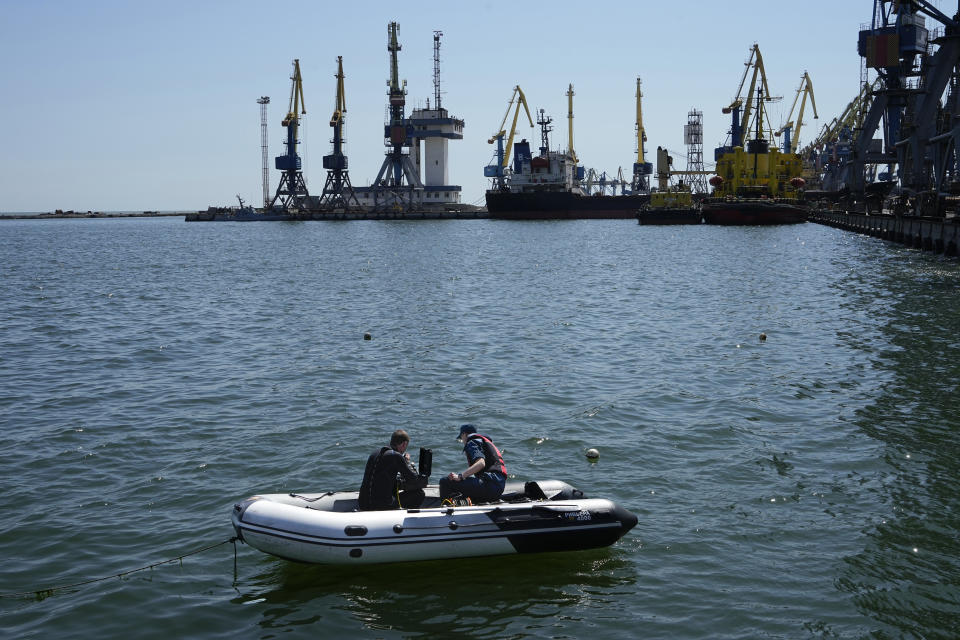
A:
[484,478]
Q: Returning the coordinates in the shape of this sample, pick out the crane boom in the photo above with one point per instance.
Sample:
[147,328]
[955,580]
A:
[393,46]
[340,104]
[790,142]
[758,70]
[742,129]
[520,99]
[573,154]
[297,104]
[641,133]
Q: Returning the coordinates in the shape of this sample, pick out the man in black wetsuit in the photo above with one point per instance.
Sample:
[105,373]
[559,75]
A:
[380,488]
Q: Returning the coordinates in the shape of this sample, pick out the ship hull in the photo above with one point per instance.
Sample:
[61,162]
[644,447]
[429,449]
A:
[669,216]
[561,205]
[752,212]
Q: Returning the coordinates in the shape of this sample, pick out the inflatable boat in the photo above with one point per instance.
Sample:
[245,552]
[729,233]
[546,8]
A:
[327,528]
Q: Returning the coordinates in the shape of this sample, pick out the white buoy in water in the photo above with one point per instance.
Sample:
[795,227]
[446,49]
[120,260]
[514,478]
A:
[593,455]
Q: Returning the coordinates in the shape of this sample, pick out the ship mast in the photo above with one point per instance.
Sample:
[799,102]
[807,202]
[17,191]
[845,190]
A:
[545,129]
[573,155]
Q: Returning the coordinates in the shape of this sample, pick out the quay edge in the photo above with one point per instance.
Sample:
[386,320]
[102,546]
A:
[936,235]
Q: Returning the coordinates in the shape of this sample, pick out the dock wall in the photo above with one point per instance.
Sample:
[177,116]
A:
[939,236]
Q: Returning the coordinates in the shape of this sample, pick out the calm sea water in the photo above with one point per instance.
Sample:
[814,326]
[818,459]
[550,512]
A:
[153,372]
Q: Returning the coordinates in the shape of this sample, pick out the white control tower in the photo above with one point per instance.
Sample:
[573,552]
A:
[435,128]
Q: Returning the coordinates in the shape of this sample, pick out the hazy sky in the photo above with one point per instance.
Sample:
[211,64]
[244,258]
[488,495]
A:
[112,105]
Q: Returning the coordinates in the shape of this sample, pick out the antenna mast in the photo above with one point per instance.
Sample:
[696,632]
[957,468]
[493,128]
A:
[436,69]
[264,148]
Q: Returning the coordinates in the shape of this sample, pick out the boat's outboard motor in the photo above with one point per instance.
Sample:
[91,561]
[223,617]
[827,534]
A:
[425,465]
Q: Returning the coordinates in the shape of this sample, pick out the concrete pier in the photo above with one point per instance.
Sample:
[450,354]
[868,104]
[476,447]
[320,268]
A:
[940,236]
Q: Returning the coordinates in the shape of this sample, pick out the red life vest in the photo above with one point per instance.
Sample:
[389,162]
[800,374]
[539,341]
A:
[492,458]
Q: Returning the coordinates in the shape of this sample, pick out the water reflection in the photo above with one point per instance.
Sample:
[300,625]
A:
[907,576]
[492,597]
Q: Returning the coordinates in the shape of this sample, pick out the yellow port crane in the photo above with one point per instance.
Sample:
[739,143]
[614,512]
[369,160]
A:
[520,100]
[832,145]
[850,117]
[745,102]
[791,133]
[292,191]
[641,168]
[338,193]
[641,133]
[573,155]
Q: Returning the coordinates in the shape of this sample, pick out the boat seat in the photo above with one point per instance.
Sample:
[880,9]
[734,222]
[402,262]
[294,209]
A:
[342,506]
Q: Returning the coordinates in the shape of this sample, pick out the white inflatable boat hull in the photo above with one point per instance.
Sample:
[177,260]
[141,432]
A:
[326,528]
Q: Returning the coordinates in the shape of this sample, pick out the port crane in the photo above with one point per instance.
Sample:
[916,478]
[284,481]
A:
[916,110]
[292,195]
[623,183]
[789,131]
[496,171]
[338,192]
[588,181]
[825,157]
[397,165]
[641,168]
[741,125]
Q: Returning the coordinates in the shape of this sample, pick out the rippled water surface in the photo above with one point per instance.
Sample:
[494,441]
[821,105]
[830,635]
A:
[153,372]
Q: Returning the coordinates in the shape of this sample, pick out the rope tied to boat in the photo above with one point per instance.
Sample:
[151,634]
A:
[306,499]
[42,594]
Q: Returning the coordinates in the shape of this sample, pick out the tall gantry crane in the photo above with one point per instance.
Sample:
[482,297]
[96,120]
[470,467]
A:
[496,171]
[916,109]
[791,130]
[641,168]
[338,192]
[292,192]
[397,165]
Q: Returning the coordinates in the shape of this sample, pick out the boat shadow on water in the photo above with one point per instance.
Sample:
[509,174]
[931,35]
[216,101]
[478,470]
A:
[484,596]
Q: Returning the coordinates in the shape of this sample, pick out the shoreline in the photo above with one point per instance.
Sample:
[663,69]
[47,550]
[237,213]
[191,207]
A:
[70,215]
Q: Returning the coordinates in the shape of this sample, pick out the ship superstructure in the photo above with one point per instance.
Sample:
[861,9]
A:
[549,171]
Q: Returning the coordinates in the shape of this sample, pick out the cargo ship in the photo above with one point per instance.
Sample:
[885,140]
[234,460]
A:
[548,186]
[756,184]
